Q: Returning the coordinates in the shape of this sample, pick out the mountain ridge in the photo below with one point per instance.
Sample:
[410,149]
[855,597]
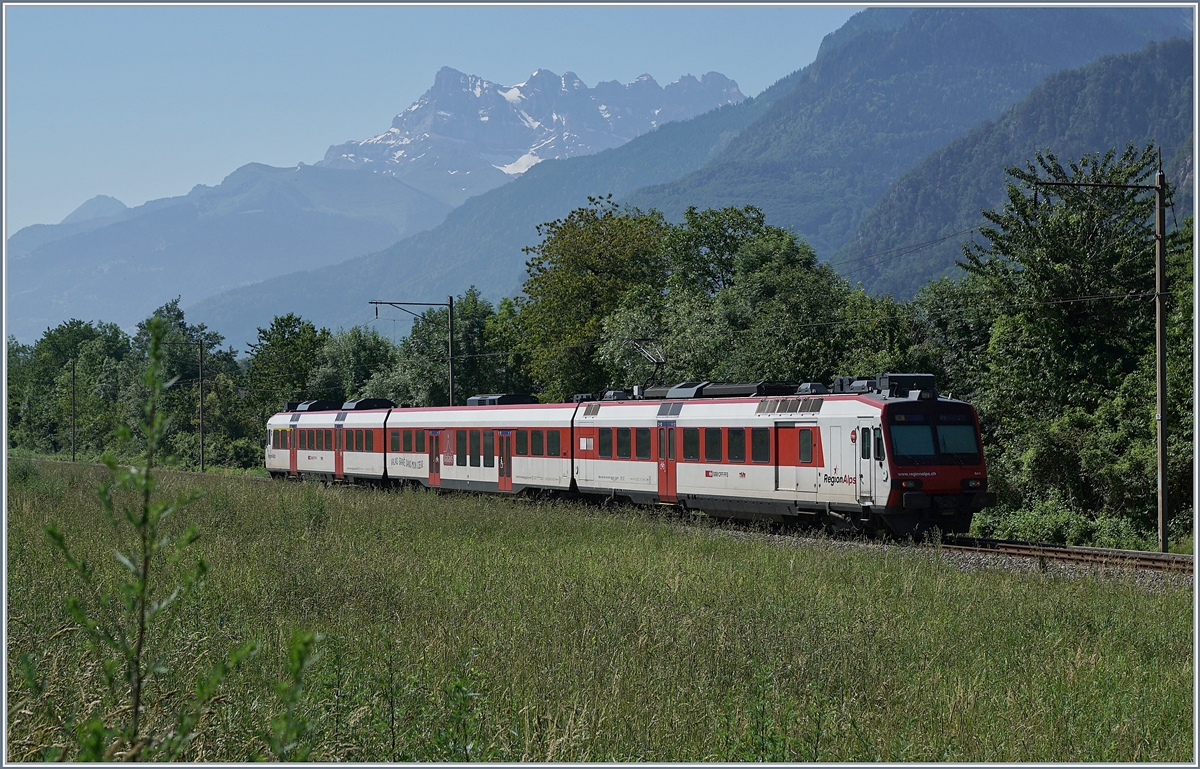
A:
[467,135]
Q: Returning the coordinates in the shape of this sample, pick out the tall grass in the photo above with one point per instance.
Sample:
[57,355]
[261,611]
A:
[460,627]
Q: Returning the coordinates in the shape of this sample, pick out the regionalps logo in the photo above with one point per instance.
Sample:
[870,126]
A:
[716,474]
[835,479]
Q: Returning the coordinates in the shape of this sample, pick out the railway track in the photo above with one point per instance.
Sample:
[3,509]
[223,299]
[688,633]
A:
[1088,556]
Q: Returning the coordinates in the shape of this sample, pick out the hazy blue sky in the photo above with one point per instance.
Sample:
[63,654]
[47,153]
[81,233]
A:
[142,103]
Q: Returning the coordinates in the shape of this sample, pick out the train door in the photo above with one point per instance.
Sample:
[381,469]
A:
[666,464]
[809,465]
[293,436]
[585,453]
[435,458]
[787,453]
[866,469]
[505,467]
[339,446]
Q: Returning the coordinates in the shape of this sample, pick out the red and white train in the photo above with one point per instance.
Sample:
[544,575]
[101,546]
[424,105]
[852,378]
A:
[880,454]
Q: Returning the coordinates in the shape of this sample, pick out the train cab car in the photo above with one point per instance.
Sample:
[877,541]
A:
[938,477]
[919,462]
[500,443]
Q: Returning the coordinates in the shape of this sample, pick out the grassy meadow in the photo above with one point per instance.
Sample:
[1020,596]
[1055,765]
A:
[460,627]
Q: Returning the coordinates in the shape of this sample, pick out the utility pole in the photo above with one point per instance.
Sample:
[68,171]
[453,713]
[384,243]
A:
[450,343]
[73,409]
[449,305]
[1160,338]
[201,346]
[1160,328]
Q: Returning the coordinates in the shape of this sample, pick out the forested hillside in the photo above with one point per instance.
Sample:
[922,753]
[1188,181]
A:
[871,108]
[1136,98]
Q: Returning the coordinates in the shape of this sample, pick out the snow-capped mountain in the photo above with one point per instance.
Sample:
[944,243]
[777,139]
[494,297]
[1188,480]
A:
[466,135]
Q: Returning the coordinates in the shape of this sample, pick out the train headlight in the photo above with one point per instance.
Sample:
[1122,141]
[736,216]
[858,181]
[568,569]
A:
[909,484]
[975,484]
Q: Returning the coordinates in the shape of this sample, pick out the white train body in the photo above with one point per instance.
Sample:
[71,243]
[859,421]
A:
[777,458]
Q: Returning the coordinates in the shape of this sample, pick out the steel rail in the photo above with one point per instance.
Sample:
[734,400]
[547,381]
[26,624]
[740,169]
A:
[1089,556]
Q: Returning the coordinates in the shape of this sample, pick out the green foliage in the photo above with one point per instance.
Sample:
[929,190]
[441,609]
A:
[1052,337]
[289,730]
[281,362]
[118,623]
[347,361]
[747,301]
[578,273]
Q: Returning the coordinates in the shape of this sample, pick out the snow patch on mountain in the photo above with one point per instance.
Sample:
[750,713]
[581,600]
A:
[466,123]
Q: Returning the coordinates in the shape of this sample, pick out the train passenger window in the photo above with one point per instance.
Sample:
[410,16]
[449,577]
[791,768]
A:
[760,444]
[522,442]
[623,447]
[805,446]
[606,442]
[865,437]
[370,440]
[420,441]
[662,443]
[535,441]
[320,440]
[475,448]
[712,444]
[489,448]
[737,444]
[879,443]
[303,439]
[460,448]
[329,440]
[641,440]
[553,443]
[287,441]
[408,442]
[395,445]
[274,439]
[691,443]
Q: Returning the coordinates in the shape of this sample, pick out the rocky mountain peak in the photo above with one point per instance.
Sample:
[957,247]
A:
[466,135]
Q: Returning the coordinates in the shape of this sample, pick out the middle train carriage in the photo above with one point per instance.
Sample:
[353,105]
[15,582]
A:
[875,454]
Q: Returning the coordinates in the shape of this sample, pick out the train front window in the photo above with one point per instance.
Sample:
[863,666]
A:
[913,445]
[958,444]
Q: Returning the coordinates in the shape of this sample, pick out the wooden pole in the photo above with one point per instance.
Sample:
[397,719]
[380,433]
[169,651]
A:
[450,345]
